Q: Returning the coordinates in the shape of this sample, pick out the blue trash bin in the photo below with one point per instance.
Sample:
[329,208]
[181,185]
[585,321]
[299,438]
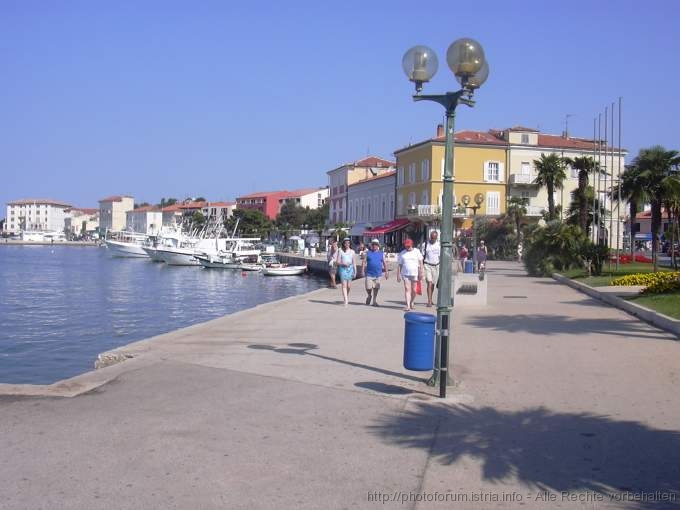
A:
[419,341]
[469,266]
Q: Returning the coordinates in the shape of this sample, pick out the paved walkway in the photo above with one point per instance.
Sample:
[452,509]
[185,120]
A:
[303,403]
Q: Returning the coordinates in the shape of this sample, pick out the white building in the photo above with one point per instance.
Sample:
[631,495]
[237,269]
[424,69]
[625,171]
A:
[218,210]
[112,212]
[35,214]
[145,220]
[340,178]
[314,198]
[370,202]
[79,221]
[526,145]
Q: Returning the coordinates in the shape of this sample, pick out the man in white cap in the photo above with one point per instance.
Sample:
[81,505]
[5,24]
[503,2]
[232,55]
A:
[374,266]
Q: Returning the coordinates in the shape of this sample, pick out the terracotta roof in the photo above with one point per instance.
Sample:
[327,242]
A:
[260,194]
[648,214]
[193,205]
[41,201]
[493,137]
[475,137]
[375,177]
[560,142]
[84,210]
[302,192]
[220,204]
[146,208]
[171,208]
[114,198]
[373,161]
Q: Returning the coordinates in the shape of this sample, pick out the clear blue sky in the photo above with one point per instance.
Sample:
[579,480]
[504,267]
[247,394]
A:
[222,98]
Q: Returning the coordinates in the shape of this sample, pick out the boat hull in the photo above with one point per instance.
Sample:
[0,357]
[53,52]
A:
[178,257]
[284,271]
[216,263]
[121,249]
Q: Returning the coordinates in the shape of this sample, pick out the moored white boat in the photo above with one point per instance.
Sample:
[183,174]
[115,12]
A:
[284,270]
[273,267]
[126,244]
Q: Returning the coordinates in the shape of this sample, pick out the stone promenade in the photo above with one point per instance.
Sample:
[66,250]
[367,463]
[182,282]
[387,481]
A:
[560,402]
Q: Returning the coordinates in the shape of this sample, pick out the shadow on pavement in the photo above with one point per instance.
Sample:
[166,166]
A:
[547,450]
[338,302]
[586,302]
[543,324]
[389,389]
[303,349]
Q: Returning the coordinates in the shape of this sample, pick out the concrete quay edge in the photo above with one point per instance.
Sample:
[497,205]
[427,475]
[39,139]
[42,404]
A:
[650,316]
[126,358]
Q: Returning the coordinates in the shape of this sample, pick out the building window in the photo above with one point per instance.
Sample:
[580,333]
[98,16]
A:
[526,168]
[493,201]
[492,171]
[412,199]
[400,204]
[425,198]
[425,170]
[525,138]
[412,173]
[400,176]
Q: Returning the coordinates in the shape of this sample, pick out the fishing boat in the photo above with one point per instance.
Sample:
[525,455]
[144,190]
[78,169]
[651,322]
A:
[236,253]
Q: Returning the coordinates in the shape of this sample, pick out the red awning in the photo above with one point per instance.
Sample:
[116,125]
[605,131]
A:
[387,227]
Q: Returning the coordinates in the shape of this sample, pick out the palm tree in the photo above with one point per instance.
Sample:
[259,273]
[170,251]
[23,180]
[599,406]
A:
[585,165]
[551,175]
[656,166]
[574,211]
[633,191]
[516,211]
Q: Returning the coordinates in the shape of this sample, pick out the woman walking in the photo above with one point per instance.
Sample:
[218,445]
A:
[332,255]
[346,267]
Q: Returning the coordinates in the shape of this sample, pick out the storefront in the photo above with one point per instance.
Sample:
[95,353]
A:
[390,234]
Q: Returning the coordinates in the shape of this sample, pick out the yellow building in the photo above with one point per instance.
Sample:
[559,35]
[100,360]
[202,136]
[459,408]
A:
[479,167]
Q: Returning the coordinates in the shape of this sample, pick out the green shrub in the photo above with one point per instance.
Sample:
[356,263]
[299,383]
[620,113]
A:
[556,247]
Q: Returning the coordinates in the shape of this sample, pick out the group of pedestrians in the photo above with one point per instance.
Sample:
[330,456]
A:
[342,264]
[412,266]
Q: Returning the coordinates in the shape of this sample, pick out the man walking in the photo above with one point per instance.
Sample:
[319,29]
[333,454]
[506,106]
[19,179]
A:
[410,269]
[431,253]
[373,267]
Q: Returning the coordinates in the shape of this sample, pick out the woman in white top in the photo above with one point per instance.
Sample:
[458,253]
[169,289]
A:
[410,269]
[347,268]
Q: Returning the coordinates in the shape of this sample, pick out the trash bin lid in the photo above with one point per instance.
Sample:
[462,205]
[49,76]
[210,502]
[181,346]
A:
[419,317]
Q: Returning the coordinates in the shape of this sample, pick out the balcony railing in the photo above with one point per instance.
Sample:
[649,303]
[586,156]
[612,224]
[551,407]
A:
[521,179]
[533,210]
[434,210]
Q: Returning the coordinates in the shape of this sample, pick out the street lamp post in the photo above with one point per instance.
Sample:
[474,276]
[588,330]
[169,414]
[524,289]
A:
[466,60]
[479,199]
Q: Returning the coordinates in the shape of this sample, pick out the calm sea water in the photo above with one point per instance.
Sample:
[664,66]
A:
[61,306]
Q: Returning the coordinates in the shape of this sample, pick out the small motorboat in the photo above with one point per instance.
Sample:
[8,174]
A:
[273,267]
[284,270]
